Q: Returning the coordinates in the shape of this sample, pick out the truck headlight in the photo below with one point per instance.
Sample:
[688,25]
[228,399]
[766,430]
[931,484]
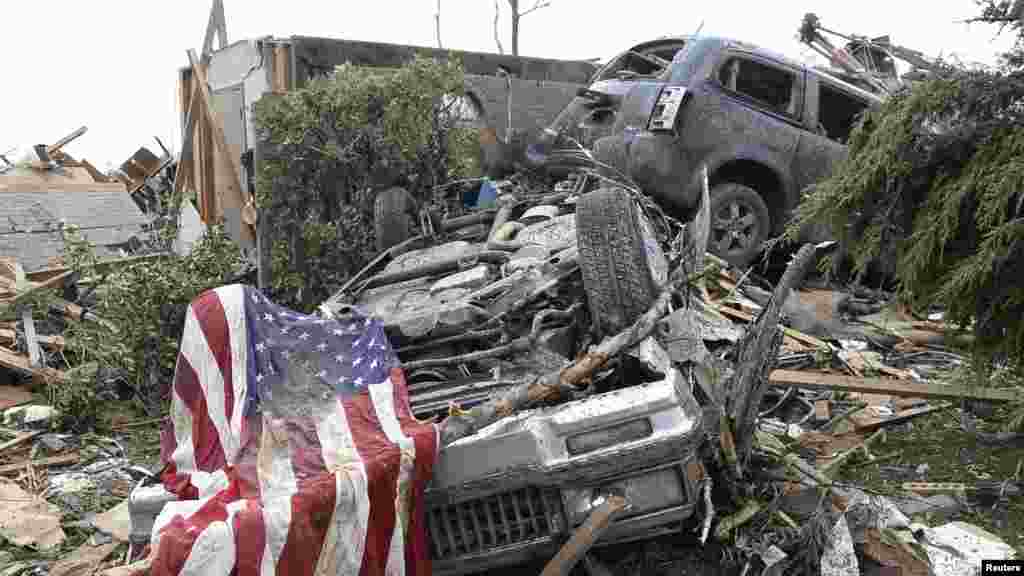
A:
[648,492]
[604,437]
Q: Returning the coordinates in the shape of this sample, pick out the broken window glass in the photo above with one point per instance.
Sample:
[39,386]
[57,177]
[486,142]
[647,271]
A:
[837,112]
[770,86]
[647,63]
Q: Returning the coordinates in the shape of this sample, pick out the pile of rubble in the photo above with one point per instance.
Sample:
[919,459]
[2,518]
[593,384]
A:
[42,200]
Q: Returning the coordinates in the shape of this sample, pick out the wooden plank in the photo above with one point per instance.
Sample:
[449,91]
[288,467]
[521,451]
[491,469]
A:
[280,74]
[823,381]
[8,336]
[20,439]
[35,355]
[13,361]
[54,148]
[94,172]
[13,396]
[40,463]
[822,411]
[233,197]
[867,424]
[794,334]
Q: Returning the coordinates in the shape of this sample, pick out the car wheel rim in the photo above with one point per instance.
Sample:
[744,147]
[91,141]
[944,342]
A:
[734,228]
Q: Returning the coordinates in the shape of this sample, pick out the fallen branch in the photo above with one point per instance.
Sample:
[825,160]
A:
[585,536]
[756,353]
[730,523]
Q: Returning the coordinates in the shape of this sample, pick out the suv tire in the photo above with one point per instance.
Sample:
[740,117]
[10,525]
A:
[391,222]
[623,267]
[740,223]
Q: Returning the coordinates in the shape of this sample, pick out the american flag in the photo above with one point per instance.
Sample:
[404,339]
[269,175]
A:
[291,445]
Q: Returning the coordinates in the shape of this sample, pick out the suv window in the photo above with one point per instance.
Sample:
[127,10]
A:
[837,112]
[768,85]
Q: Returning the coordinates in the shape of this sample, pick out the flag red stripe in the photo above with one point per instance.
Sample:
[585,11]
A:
[250,539]
[312,511]
[417,551]
[179,535]
[306,453]
[209,453]
[381,459]
[247,470]
[214,325]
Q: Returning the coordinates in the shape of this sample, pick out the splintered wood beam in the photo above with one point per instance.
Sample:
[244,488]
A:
[221,152]
[54,148]
[913,389]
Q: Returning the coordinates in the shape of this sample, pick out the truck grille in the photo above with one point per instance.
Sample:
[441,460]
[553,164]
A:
[500,520]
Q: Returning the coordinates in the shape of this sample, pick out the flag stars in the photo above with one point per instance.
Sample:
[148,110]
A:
[322,374]
[261,347]
[286,330]
[340,359]
[268,316]
[304,336]
[359,381]
[259,377]
[338,332]
[322,346]
[357,361]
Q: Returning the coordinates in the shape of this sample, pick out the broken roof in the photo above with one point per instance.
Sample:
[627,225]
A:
[31,220]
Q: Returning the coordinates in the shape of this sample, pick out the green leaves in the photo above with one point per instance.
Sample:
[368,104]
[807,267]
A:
[335,141]
[931,189]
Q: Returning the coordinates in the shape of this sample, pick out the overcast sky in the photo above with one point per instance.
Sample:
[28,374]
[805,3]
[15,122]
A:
[111,64]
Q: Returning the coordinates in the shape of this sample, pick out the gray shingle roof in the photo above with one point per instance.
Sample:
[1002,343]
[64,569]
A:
[30,223]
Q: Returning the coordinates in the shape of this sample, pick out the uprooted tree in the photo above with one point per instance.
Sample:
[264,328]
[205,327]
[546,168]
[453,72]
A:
[331,145]
[933,190]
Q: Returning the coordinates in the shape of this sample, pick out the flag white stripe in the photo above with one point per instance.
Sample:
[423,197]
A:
[196,352]
[214,551]
[383,396]
[277,485]
[351,515]
[232,299]
[184,455]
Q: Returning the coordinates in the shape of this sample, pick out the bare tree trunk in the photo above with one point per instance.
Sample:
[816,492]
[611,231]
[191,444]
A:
[497,36]
[515,26]
[437,24]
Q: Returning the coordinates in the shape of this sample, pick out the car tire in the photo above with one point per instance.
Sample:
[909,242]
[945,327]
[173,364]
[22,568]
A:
[623,267]
[740,223]
[391,217]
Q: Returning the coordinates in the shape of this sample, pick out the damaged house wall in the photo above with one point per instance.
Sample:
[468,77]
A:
[240,74]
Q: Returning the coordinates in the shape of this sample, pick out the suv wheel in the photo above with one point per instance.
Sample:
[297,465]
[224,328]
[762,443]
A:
[739,223]
[391,221]
[623,267]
